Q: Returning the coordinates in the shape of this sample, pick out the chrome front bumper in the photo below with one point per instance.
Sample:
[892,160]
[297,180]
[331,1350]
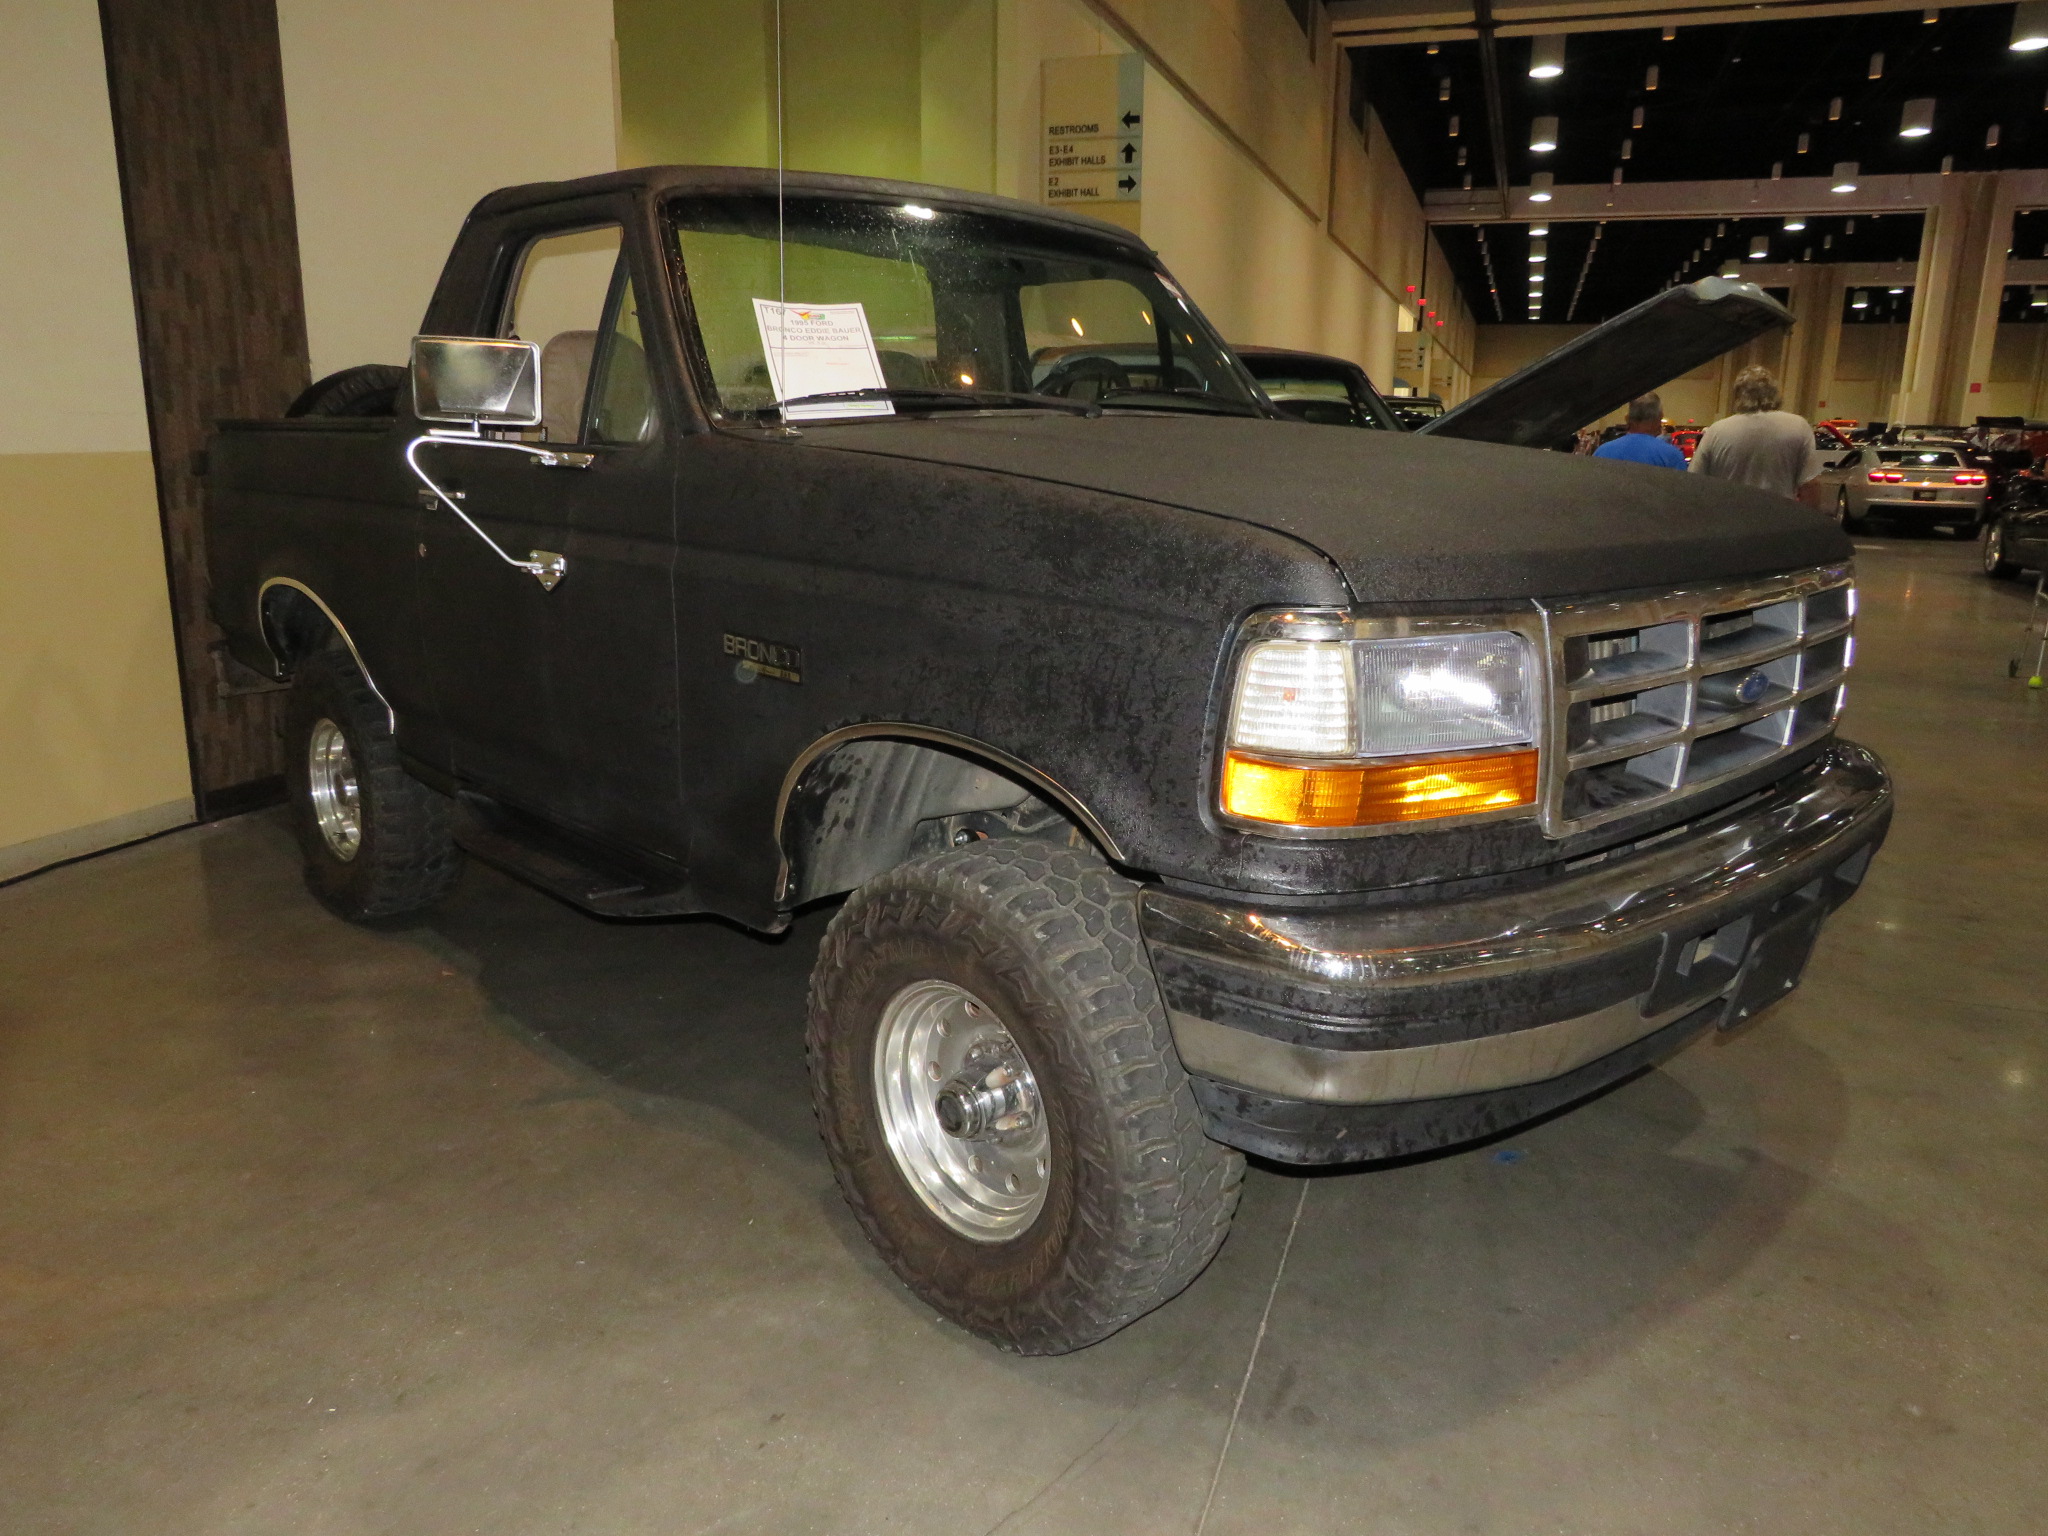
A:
[1452,1000]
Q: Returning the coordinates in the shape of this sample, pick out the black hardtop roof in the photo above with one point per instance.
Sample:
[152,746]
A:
[1295,357]
[658,181]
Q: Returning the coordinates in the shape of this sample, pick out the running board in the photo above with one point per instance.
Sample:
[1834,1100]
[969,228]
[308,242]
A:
[566,866]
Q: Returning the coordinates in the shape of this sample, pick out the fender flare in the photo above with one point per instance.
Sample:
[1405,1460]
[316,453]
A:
[1036,779]
[341,629]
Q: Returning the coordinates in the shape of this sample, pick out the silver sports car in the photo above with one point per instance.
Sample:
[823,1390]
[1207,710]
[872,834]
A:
[1926,484]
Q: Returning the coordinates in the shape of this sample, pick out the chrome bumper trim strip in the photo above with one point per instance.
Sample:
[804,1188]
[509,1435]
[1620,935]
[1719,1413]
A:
[1411,1072]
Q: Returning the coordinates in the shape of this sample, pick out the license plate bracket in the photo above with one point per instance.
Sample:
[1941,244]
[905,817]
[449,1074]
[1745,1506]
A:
[1924,495]
[1776,957]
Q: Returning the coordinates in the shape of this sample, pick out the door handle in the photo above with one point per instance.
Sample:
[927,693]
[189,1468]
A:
[565,458]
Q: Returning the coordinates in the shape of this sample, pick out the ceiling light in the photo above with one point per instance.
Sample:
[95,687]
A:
[1637,120]
[1845,176]
[2039,299]
[1877,66]
[1849,228]
[1777,170]
[1759,248]
[1540,185]
[1730,269]
[1948,164]
[1616,177]
[1546,57]
[1650,74]
[1916,118]
[1795,224]
[1454,125]
[1468,181]
[1670,32]
[1862,299]
[2029,26]
[1804,140]
[1991,137]
[1628,147]
[1540,228]
[1895,290]
[1827,242]
[1543,135]
[1539,250]
[1834,109]
[1443,89]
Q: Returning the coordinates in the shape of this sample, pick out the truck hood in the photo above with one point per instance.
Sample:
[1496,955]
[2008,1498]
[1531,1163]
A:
[1590,375]
[1406,518]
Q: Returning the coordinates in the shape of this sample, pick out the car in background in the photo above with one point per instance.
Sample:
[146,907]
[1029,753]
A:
[1416,411]
[1685,439]
[1325,391]
[1832,439]
[1928,485]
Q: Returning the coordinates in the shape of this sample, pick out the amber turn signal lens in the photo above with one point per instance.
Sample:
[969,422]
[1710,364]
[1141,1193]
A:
[1372,794]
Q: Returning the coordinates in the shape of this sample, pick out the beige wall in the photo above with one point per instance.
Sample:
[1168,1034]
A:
[1286,225]
[402,114]
[93,750]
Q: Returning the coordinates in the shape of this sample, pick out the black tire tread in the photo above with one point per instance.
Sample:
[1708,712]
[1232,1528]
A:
[408,859]
[1174,1190]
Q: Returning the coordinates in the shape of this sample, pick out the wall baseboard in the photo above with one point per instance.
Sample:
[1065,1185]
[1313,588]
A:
[96,837]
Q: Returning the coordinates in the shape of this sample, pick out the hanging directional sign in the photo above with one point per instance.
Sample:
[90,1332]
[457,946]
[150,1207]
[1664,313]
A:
[1095,132]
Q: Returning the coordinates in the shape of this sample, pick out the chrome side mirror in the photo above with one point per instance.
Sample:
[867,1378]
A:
[476,380]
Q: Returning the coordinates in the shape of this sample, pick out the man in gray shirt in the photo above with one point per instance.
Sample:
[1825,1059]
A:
[1761,445]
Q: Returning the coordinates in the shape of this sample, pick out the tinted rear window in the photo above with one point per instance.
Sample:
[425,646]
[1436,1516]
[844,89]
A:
[1924,458]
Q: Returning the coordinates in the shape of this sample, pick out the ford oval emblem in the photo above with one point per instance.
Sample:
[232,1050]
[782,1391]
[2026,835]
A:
[1752,686]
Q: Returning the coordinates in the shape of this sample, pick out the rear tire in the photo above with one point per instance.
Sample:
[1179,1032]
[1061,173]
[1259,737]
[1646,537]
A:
[1095,1197]
[377,842]
[1991,547]
[1849,521]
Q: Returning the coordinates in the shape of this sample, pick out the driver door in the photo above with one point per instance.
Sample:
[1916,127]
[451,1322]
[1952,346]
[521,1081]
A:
[562,702]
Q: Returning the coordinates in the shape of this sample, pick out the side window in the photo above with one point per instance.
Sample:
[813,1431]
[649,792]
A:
[559,302]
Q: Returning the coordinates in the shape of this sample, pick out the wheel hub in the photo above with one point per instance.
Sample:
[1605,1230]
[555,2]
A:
[961,1111]
[337,801]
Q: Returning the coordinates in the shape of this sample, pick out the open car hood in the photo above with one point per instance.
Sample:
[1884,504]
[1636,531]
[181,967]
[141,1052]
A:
[1590,375]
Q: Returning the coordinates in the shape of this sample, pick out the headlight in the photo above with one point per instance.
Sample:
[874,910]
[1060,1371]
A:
[1358,732]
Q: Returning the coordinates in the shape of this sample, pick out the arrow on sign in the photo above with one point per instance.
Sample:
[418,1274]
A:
[1131,120]
[1129,152]
[1129,184]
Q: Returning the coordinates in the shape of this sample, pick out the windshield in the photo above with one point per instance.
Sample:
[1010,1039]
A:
[1323,395]
[875,309]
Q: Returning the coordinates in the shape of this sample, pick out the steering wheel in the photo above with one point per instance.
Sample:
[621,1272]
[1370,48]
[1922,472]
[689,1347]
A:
[1084,378]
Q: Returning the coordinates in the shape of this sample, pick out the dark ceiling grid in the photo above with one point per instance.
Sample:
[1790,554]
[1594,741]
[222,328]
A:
[1728,103]
[1637,257]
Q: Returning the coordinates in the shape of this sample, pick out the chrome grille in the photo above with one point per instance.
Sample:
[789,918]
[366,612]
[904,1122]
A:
[1659,698]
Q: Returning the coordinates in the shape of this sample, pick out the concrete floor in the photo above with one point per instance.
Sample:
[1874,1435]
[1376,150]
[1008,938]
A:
[514,1221]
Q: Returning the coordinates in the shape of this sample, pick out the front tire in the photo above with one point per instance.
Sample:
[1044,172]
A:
[999,1096]
[377,842]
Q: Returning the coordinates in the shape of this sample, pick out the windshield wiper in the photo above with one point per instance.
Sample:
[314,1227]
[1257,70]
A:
[1216,403]
[970,396]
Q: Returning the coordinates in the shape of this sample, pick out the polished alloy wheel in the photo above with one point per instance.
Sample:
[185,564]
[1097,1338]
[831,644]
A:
[1994,548]
[961,1111]
[331,778]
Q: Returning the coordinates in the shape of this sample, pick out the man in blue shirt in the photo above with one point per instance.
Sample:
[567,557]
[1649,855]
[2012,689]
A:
[1643,442]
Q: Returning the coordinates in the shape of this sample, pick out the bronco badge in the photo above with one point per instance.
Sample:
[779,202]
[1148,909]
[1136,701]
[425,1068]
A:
[764,658]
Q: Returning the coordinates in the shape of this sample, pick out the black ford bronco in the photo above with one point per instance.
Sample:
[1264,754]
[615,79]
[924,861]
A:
[1192,781]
